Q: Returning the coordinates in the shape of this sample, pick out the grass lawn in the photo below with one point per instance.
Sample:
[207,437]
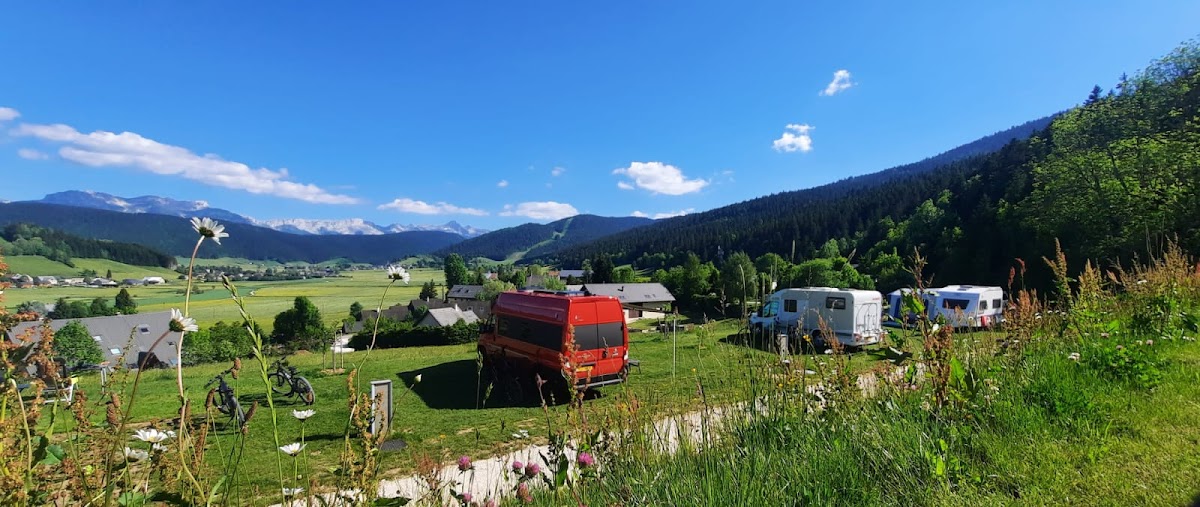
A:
[438,417]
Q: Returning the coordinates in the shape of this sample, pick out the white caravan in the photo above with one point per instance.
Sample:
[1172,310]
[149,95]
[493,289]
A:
[855,316]
[966,305]
[895,309]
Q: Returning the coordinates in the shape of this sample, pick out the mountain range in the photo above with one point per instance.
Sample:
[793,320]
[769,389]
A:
[795,219]
[166,206]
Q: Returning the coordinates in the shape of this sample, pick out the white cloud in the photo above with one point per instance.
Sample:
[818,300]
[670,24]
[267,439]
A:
[659,216]
[406,205]
[670,214]
[841,81]
[127,149]
[557,171]
[31,154]
[548,210]
[502,183]
[658,178]
[8,113]
[798,141]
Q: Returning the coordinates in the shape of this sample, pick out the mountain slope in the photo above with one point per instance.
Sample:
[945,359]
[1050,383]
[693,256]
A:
[514,243]
[144,204]
[187,209]
[174,235]
[797,220]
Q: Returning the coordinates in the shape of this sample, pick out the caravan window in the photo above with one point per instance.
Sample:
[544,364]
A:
[957,304]
[996,304]
[770,309]
[983,304]
[543,334]
[789,305]
[835,303]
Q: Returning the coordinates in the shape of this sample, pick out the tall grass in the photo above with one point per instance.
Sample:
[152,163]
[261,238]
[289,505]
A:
[1067,391]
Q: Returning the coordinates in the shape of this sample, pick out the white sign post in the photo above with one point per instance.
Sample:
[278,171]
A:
[381,406]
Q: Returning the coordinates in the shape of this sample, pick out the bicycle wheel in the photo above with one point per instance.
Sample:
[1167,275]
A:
[305,390]
[234,409]
[279,384]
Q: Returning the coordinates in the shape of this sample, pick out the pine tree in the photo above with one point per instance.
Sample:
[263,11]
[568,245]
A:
[124,303]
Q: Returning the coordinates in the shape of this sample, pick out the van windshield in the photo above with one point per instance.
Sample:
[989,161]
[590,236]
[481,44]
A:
[771,309]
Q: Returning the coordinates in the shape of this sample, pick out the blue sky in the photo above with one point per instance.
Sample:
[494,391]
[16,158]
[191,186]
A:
[500,113]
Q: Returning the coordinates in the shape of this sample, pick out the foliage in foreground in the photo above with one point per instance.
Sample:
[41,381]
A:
[1059,411]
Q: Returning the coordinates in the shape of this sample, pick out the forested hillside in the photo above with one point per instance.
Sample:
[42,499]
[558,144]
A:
[25,239]
[173,235]
[802,219]
[1111,179]
[531,240]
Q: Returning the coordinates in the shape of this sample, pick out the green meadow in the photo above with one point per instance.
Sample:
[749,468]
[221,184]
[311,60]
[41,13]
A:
[210,302]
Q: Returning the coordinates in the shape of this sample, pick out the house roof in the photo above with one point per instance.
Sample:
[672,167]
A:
[465,291]
[118,334]
[564,273]
[443,317]
[631,293]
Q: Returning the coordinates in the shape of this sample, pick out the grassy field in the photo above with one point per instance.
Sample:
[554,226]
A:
[36,265]
[210,303]
[439,417]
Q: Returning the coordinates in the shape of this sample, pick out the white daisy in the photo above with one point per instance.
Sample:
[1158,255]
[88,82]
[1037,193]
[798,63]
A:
[303,414]
[151,435]
[292,449]
[209,228]
[289,492]
[136,454]
[397,272]
[179,323]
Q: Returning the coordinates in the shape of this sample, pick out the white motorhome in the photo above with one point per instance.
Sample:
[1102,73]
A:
[855,316]
[966,305]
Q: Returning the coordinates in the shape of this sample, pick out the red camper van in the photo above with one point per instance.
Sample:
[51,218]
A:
[531,335]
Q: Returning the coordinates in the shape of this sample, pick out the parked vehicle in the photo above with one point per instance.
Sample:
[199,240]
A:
[896,316]
[966,305]
[553,336]
[225,400]
[285,382]
[854,316]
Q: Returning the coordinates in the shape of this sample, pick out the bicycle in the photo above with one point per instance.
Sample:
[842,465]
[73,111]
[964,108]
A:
[285,382]
[225,400]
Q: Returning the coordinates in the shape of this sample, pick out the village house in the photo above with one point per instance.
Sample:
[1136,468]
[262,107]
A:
[124,339]
[445,317]
[640,300]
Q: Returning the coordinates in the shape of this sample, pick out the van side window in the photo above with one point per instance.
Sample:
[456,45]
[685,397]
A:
[789,305]
[996,303]
[983,304]
[835,303]
[542,334]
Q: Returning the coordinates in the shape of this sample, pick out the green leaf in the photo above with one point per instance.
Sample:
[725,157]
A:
[392,502]
[212,495]
[54,455]
[130,498]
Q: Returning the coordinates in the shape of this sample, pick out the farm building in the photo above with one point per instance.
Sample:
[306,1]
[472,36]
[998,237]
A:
[126,338]
[153,280]
[640,300]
